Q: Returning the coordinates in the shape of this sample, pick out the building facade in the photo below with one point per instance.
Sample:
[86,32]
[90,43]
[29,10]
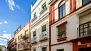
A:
[2,48]
[40,26]
[56,25]
[22,39]
[11,45]
[70,25]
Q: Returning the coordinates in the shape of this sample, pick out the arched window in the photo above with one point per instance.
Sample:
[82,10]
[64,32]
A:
[62,10]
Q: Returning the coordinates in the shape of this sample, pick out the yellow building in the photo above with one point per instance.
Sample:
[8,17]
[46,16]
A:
[21,36]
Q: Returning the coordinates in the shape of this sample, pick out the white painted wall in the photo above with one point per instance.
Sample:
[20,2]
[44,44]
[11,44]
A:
[65,46]
[72,19]
[85,18]
[71,28]
[37,24]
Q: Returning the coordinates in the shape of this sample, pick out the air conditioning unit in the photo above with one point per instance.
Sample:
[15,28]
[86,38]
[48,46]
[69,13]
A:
[41,36]
[34,38]
[89,31]
[45,35]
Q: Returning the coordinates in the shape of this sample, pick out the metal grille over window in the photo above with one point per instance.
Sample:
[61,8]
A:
[62,31]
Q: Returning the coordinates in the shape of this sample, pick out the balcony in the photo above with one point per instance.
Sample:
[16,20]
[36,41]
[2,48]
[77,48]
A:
[34,19]
[34,40]
[25,37]
[43,36]
[26,47]
[85,29]
[43,10]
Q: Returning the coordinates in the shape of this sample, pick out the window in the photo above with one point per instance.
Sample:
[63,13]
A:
[85,1]
[44,49]
[18,37]
[44,28]
[34,33]
[35,14]
[85,29]
[60,49]
[21,36]
[34,49]
[18,46]
[61,31]
[26,32]
[15,40]
[44,6]
[62,11]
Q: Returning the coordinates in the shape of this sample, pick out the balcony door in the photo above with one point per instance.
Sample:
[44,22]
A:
[85,49]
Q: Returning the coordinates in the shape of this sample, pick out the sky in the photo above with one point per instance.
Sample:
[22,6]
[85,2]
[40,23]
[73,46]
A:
[12,14]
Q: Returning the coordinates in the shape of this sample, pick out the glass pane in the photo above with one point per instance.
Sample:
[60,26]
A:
[64,12]
[85,1]
[60,8]
[34,33]
[61,14]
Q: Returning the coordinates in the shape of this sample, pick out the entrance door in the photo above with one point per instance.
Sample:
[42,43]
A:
[85,49]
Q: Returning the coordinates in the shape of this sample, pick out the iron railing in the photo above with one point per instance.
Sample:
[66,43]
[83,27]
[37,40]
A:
[85,29]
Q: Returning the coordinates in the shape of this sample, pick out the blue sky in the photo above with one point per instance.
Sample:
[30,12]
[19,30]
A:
[12,14]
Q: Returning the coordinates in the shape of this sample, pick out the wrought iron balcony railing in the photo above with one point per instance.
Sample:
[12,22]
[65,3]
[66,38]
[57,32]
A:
[43,36]
[34,40]
[85,29]
[25,37]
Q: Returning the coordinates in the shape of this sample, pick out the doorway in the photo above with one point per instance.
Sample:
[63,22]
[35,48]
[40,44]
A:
[85,49]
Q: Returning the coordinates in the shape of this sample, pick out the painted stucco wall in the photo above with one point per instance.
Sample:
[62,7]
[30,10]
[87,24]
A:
[37,24]
[22,31]
[65,46]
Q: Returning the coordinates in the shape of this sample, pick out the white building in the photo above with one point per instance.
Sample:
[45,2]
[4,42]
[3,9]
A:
[40,26]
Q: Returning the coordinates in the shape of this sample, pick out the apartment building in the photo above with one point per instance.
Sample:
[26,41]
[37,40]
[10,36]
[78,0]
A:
[2,48]
[11,45]
[21,36]
[70,25]
[40,26]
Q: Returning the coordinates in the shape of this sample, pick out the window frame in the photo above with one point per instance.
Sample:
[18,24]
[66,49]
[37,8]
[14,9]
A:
[62,10]
[61,25]
[44,28]
[44,5]
[34,15]
[61,33]
[44,48]
[34,49]
[34,33]
[85,1]
[60,49]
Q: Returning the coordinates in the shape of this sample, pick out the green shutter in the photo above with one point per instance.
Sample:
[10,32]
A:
[44,28]
[44,6]
[35,14]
